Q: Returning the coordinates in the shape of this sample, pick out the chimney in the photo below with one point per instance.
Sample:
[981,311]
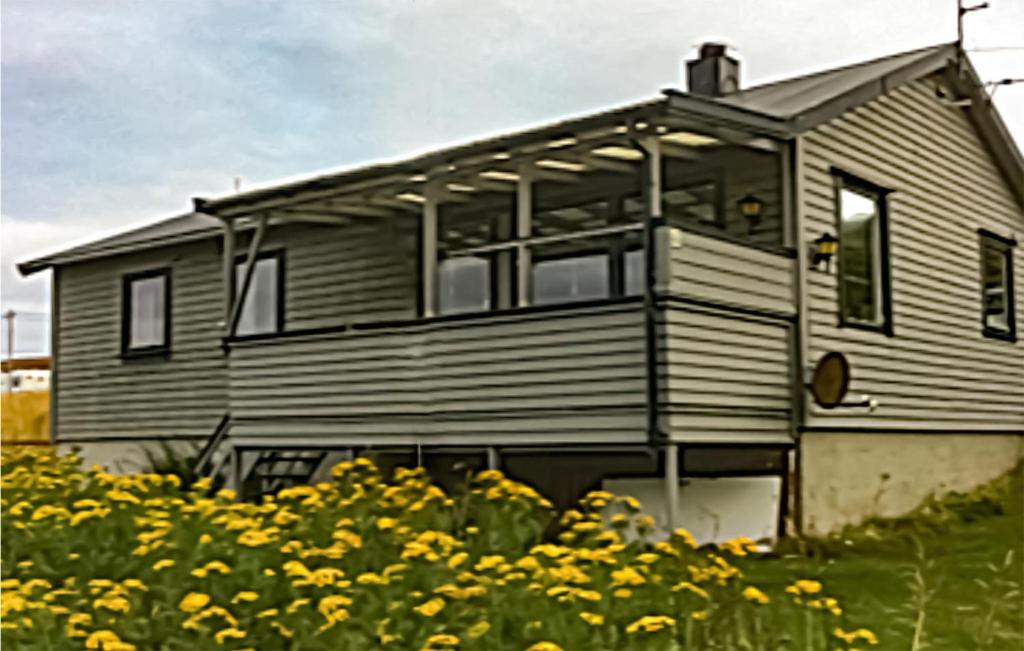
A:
[714,73]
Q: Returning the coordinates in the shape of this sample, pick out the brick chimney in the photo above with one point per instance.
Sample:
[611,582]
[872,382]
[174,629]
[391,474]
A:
[714,73]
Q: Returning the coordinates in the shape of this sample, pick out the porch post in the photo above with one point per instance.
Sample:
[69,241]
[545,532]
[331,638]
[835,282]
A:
[229,269]
[429,256]
[671,486]
[250,265]
[524,229]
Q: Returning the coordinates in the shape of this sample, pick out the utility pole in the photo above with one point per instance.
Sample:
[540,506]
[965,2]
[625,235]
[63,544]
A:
[9,317]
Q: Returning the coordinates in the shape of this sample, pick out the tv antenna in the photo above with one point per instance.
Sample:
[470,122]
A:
[961,11]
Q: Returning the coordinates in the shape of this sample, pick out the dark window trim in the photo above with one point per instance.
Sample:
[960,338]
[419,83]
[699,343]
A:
[279,255]
[159,350]
[845,180]
[1007,244]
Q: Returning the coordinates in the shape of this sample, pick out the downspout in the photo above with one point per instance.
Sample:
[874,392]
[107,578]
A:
[801,328]
[648,146]
[652,200]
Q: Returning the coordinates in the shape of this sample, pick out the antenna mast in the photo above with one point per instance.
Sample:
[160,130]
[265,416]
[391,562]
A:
[962,11]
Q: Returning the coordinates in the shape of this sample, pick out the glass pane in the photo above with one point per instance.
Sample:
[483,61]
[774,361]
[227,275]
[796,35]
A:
[859,257]
[634,281]
[259,312]
[994,262]
[570,279]
[148,312]
[464,285]
[693,204]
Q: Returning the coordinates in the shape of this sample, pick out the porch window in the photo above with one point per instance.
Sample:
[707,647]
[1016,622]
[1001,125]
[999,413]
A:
[997,296]
[146,300]
[864,299]
[263,309]
[466,280]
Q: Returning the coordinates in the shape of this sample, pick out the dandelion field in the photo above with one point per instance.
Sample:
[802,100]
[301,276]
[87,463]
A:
[97,561]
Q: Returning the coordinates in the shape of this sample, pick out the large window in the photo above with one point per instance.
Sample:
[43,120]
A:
[263,309]
[863,255]
[997,297]
[146,303]
[580,266]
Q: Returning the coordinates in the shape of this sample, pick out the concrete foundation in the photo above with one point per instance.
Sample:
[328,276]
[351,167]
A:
[845,478]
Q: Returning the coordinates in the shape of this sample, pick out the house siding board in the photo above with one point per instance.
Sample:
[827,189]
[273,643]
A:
[101,395]
[334,275]
[938,370]
[556,372]
[715,270]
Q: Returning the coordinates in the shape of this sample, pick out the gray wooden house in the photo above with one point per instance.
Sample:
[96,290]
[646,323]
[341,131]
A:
[633,298]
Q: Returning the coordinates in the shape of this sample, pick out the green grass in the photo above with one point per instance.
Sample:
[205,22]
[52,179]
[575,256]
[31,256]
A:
[959,547]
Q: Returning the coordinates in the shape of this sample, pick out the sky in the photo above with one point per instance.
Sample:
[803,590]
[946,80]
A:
[115,113]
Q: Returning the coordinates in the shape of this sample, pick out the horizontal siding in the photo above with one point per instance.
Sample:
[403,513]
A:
[724,272]
[100,395]
[722,377]
[344,274]
[549,374]
[938,371]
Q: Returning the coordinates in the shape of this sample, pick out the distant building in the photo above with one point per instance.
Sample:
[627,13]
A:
[25,374]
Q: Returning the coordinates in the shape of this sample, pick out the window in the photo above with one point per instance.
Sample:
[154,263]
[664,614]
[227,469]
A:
[863,255]
[263,309]
[145,317]
[465,282]
[464,285]
[997,297]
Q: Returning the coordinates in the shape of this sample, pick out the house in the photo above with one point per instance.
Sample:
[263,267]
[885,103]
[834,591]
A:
[634,298]
[25,374]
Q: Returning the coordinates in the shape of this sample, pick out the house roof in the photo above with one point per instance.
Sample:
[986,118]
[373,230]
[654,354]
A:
[189,226]
[781,109]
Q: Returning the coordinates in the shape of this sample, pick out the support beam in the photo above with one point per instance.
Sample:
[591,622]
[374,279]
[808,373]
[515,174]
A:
[429,256]
[250,266]
[524,230]
[228,269]
[671,486]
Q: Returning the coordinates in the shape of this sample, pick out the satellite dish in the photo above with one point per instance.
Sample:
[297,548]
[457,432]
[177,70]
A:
[831,380]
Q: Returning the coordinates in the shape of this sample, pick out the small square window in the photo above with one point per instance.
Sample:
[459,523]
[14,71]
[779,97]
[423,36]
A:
[262,310]
[997,296]
[145,320]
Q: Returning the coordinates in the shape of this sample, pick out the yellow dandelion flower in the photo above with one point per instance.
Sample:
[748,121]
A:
[592,618]
[193,602]
[430,608]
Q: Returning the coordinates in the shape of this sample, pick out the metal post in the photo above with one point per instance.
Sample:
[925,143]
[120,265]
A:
[524,229]
[493,460]
[236,471]
[429,270]
[671,486]
[9,317]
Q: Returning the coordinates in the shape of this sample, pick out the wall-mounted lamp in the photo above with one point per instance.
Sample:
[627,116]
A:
[825,247]
[752,208]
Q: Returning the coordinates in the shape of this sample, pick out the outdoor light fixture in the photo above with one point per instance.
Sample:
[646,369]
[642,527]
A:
[752,208]
[825,247]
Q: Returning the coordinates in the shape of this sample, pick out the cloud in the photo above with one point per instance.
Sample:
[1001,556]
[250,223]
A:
[116,112]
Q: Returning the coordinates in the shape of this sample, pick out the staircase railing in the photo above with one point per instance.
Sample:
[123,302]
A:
[205,465]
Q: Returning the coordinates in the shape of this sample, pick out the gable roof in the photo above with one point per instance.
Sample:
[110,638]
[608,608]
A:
[181,228]
[782,109]
[793,97]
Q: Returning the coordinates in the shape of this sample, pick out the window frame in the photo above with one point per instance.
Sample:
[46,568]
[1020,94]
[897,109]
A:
[163,349]
[1007,245]
[279,316]
[843,180]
